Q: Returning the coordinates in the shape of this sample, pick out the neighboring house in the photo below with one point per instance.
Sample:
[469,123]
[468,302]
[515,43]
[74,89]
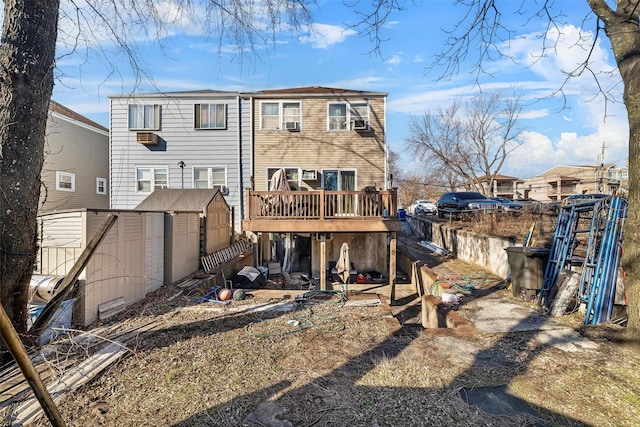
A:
[331,144]
[503,186]
[179,140]
[76,162]
[561,181]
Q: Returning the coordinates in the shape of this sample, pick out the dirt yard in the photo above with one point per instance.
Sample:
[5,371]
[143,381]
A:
[324,363]
[321,362]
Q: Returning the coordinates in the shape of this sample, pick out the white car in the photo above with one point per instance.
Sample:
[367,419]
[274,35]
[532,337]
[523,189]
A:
[422,207]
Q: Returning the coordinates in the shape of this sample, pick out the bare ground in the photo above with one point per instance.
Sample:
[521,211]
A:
[208,365]
[334,365]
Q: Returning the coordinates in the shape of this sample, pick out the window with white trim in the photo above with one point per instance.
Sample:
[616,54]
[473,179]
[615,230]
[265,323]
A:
[210,177]
[144,116]
[293,177]
[210,116]
[149,178]
[101,186]
[346,116]
[276,115]
[65,181]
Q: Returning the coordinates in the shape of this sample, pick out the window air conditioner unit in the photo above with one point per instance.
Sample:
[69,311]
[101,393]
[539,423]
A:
[360,125]
[309,175]
[292,126]
[223,189]
[147,138]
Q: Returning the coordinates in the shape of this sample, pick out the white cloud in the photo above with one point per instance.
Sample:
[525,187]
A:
[534,114]
[532,156]
[395,59]
[321,36]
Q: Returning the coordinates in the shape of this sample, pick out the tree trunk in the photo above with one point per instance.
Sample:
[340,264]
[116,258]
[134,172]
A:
[27,55]
[622,29]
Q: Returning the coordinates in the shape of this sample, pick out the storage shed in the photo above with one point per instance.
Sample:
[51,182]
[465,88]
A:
[126,265]
[196,222]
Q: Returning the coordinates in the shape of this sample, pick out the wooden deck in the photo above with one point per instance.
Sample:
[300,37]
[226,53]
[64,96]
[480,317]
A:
[321,211]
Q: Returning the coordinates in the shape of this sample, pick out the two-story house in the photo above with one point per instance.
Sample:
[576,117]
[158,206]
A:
[331,144]
[76,162]
[561,181]
[195,139]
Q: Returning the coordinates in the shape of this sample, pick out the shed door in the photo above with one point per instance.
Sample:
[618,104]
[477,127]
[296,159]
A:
[154,251]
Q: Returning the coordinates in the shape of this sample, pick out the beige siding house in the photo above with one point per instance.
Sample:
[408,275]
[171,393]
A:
[324,138]
[76,164]
[502,186]
[332,147]
[561,181]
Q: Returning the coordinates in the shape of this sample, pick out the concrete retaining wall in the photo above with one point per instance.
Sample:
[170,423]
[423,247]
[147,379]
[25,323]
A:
[483,250]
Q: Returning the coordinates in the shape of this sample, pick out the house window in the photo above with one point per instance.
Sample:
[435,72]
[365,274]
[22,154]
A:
[65,181]
[150,178]
[346,116]
[275,115]
[144,117]
[338,117]
[293,177]
[210,177]
[290,112]
[210,116]
[101,186]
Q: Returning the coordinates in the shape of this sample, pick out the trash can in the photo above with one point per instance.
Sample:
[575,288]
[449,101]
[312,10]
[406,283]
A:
[402,214]
[527,266]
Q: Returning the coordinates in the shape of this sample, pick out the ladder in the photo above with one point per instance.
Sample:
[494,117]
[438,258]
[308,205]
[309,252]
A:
[574,227]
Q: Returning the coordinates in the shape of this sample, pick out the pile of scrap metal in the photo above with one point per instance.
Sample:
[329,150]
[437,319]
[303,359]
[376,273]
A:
[584,260]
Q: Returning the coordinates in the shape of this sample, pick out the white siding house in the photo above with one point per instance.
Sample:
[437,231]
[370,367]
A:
[179,140]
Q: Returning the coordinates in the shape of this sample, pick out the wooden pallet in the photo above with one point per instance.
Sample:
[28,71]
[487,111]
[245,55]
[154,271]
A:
[223,256]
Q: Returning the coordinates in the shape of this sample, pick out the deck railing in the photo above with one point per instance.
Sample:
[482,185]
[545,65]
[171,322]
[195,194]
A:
[321,204]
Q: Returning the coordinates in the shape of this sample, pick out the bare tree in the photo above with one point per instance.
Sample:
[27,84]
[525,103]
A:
[470,139]
[27,64]
[479,37]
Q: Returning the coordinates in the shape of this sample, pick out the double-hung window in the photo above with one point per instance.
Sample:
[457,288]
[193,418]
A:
[65,181]
[210,177]
[210,116]
[348,116]
[144,116]
[280,115]
[101,186]
[149,178]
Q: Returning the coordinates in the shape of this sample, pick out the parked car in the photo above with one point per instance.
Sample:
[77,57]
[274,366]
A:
[464,201]
[582,198]
[531,205]
[422,207]
[508,205]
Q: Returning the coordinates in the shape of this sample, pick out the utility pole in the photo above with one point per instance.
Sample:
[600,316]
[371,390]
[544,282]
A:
[601,170]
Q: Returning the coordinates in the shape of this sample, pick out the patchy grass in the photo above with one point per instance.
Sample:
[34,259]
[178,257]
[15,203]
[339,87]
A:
[204,368]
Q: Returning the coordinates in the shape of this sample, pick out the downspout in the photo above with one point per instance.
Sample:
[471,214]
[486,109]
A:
[240,170]
[386,148]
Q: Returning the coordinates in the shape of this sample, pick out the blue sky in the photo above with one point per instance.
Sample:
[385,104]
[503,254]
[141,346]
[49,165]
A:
[336,55]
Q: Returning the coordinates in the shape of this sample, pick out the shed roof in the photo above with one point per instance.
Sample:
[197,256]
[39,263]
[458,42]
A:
[178,200]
